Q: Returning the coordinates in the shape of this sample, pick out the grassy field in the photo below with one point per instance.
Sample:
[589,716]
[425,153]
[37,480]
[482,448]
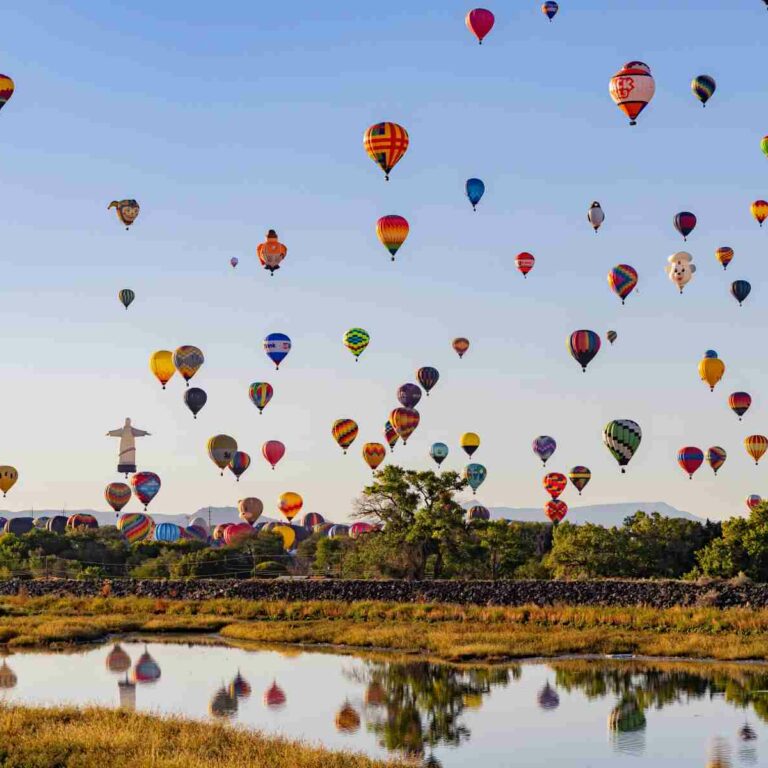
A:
[448,632]
[94,738]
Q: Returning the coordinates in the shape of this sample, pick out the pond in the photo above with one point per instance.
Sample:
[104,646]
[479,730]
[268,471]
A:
[568,712]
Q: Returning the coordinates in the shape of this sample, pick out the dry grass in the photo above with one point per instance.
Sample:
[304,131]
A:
[450,632]
[94,738]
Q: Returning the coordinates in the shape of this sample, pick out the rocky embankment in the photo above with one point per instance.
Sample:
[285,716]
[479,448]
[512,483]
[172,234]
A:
[658,594]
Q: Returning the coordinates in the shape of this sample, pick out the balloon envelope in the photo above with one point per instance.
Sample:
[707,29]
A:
[428,377]
[479,22]
[622,438]
[438,452]
[117,495]
[161,364]
[460,346]
[632,89]
[392,231]
[273,451]
[690,459]
[260,393]
[344,432]
[277,346]
[544,446]
[475,191]
[386,143]
[188,360]
[703,87]
[409,395]
[249,509]
[220,450]
[290,504]
[740,289]
[583,346]
[145,486]
[195,398]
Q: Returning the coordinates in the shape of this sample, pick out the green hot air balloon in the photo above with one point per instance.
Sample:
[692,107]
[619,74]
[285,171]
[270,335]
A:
[622,438]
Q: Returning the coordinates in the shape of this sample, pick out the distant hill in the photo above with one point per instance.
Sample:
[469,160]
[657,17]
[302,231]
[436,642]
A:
[600,514]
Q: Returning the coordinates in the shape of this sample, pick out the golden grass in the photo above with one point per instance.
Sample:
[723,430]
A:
[94,738]
[449,632]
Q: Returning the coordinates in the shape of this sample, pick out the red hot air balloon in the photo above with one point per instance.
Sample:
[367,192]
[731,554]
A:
[632,89]
[556,510]
[739,403]
[480,22]
[273,451]
[404,421]
[145,486]
[753,502]
[583,346]
[524,262]
[690,459]
[685,223]
[554,484]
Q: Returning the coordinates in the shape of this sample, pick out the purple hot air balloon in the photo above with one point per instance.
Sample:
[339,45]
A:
[544,446]
[409,395]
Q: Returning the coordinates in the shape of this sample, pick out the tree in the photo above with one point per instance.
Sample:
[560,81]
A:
[591,551]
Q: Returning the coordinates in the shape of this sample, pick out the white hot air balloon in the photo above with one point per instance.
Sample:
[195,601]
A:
[680,269]
[595,216]
[632,88]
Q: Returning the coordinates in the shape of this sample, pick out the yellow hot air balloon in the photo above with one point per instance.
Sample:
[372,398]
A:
[756,446]
[470,442]
[8,478]
[711,368]
[161,364]
[760,211]
[290,504]
[287,533]
[374,454]
[220,450]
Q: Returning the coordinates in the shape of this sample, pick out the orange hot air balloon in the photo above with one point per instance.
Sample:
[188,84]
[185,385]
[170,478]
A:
[271,252]
[760,211]
[392,231]
[386,143]
[756,446]
[290,504]
[460,346]
[161,364]
[724,255]
[404,421]
[6,89]
[344,432]
[374,454]
[632,89]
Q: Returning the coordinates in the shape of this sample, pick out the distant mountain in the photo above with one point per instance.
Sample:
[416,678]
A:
[600,514]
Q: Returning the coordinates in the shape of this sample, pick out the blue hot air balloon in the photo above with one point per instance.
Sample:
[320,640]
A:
[167,532]
[475,475]
[439,452]
[740,289]
[277,346]
[475,190]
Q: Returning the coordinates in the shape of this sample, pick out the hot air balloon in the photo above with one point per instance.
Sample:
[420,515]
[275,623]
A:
[550,9]
[56,524]
[358,529]
[344,432]
[740,289]
[234,261]
[475,191]
[271,252]
[611,336]
[6,89]
[374,454]
[711,368]
[632,89]
[385,144]
[724,255]
[690,459]
[579,476]
[338,532]
[238,533]
[409,395]
[460,346]
[390,435]
[622,438]
[739,403]
[555,510]
[127,296]
[475,475]
[685,223]
[249,509]
[524,262]
[703,87]
[145,486]
[290,504]
[392,232]
[583,346]
[622,279]
[117,495]
[754,501]
[439,453]
[161,364]
[716,457]
[188,360]
[260,393]
[428,377]
[239,462]
[277,346]
[680,269]
[356,340]
[544,446]
[404,421]
[554,484]
[479,22]
[470,442]
[764,145]
[595,216]
[195,398]
[760,211]
[134,526]
[127,210]
[478,513]
[168,532]
[756,446]
[221,448]
[273,451]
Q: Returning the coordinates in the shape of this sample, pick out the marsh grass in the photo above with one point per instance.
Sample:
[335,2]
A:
[94,738]
[449,632]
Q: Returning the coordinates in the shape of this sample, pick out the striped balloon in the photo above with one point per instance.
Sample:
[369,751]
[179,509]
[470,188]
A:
[239,462]
[690,459]
[126,297]
[277,346]
[81,521]
[583,346]
[554,484]
[716,457]
[622,438]
[392,232]
[739,403]
[390,435]
[145,486]
[478,513]
[117,495]
[760,211]
[611,336]
[311,519]
[622,279]
[579,476]
[754,501]
[386,143]
[356,340]
[756,446]
[703,88]
[428,377]
[168,532]
[404,421]
[135,526]
[344,432]
[374,454]
[260,393]
[724,254]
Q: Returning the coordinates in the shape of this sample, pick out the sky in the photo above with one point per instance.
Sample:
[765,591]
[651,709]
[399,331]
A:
[225,120]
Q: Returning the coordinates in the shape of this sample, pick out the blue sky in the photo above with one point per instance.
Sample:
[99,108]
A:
[227,120]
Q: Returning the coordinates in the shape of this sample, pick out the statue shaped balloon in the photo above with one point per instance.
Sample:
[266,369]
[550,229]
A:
[126,461]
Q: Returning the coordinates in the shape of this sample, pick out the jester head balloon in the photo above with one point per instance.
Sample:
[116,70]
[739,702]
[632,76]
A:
[680,269]
[632,89]
[127,211]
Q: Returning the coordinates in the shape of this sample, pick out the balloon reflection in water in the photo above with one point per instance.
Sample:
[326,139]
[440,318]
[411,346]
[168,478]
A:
[719,754]
[223,704]
[8,677]
[626,724]
[239,687]
[127,693]
[347,719]
[548,698]
[146,670]
[274,697]
[118,661]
